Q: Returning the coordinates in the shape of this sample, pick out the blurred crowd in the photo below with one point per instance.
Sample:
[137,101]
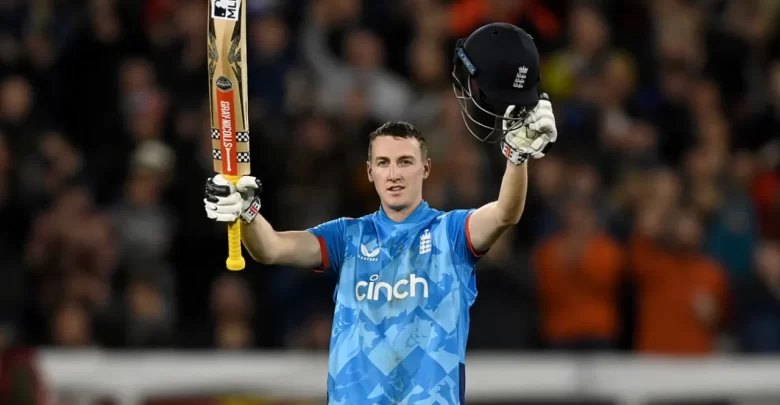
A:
[652,227]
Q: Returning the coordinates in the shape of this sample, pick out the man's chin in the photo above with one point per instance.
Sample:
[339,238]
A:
[396,203]
[396,206]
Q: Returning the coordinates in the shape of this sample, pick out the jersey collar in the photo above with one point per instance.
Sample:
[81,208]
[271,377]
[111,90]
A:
[418,213]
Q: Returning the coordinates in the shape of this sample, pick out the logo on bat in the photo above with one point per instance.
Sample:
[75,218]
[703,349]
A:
[225,9]
[224,84]
[226,121]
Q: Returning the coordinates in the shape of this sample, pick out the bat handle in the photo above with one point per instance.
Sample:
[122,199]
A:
[235,261]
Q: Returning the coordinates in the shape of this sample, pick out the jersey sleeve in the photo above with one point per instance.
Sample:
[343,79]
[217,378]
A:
[458,234]
[331,236]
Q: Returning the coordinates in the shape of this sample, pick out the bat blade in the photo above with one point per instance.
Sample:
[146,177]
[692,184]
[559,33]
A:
[228,101]
[228,87]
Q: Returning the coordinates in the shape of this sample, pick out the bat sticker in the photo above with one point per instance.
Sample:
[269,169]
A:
[225,9]
[227,125]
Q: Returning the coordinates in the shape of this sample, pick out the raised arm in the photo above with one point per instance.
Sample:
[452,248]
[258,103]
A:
[225,203]
[290,248]
[532,140]
[491,220]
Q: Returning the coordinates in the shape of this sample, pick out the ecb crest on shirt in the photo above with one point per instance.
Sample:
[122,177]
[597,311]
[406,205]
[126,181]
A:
[374,284]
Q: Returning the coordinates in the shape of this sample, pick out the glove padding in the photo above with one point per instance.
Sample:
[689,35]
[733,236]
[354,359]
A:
[534,138]
[227,203]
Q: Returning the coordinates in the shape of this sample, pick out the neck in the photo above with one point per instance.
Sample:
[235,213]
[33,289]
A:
[401,215]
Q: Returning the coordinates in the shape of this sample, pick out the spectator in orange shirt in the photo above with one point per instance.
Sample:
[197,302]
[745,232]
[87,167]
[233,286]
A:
[681,292]
[578,271]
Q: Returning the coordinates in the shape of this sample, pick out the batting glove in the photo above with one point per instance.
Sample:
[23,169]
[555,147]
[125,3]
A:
[225,202]
[534,138]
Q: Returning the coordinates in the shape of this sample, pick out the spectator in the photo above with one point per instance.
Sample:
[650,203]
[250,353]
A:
[13,228]
[232,317]
[758,303]
[271,61]
[578,271]
[766,191]
[682,294]
[364,54]
[734,231]
[71,327]
[148,318]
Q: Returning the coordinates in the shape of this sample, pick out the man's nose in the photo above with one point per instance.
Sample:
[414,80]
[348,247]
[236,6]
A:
[393,172]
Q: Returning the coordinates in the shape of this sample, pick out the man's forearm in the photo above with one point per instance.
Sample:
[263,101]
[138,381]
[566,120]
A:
[289,248]
[511,197]
[491,220]
[259,239]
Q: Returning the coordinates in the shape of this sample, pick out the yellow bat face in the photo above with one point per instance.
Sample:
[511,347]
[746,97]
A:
[228,87]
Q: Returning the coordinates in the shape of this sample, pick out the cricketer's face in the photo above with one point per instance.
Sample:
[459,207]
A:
[397,169]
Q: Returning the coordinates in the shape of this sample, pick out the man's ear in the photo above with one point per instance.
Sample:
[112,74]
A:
[427,168]
[368,171]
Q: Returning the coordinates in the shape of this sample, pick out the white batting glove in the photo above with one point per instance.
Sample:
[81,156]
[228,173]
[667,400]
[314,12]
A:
[534,138]
[226,203]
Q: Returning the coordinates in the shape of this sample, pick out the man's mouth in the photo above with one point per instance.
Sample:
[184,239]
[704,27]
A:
[395,188]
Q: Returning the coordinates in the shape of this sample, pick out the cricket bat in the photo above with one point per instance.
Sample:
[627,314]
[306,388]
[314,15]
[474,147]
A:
[228,103]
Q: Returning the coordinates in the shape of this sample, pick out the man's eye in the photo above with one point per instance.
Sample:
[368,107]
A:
[382,163]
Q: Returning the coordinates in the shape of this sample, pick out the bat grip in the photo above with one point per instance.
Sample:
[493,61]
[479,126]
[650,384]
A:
[235,260]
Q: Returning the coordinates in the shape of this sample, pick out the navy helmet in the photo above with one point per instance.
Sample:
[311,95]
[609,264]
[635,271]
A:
[495,67]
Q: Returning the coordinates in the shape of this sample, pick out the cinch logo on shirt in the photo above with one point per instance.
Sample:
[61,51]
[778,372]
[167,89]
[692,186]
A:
[402,289]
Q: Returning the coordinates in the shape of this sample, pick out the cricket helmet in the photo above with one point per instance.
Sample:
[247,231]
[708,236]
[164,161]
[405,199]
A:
[495,67]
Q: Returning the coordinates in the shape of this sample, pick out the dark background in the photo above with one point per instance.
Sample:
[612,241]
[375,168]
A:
[667,113]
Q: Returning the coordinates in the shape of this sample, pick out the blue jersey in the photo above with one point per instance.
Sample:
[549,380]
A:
[402,299]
